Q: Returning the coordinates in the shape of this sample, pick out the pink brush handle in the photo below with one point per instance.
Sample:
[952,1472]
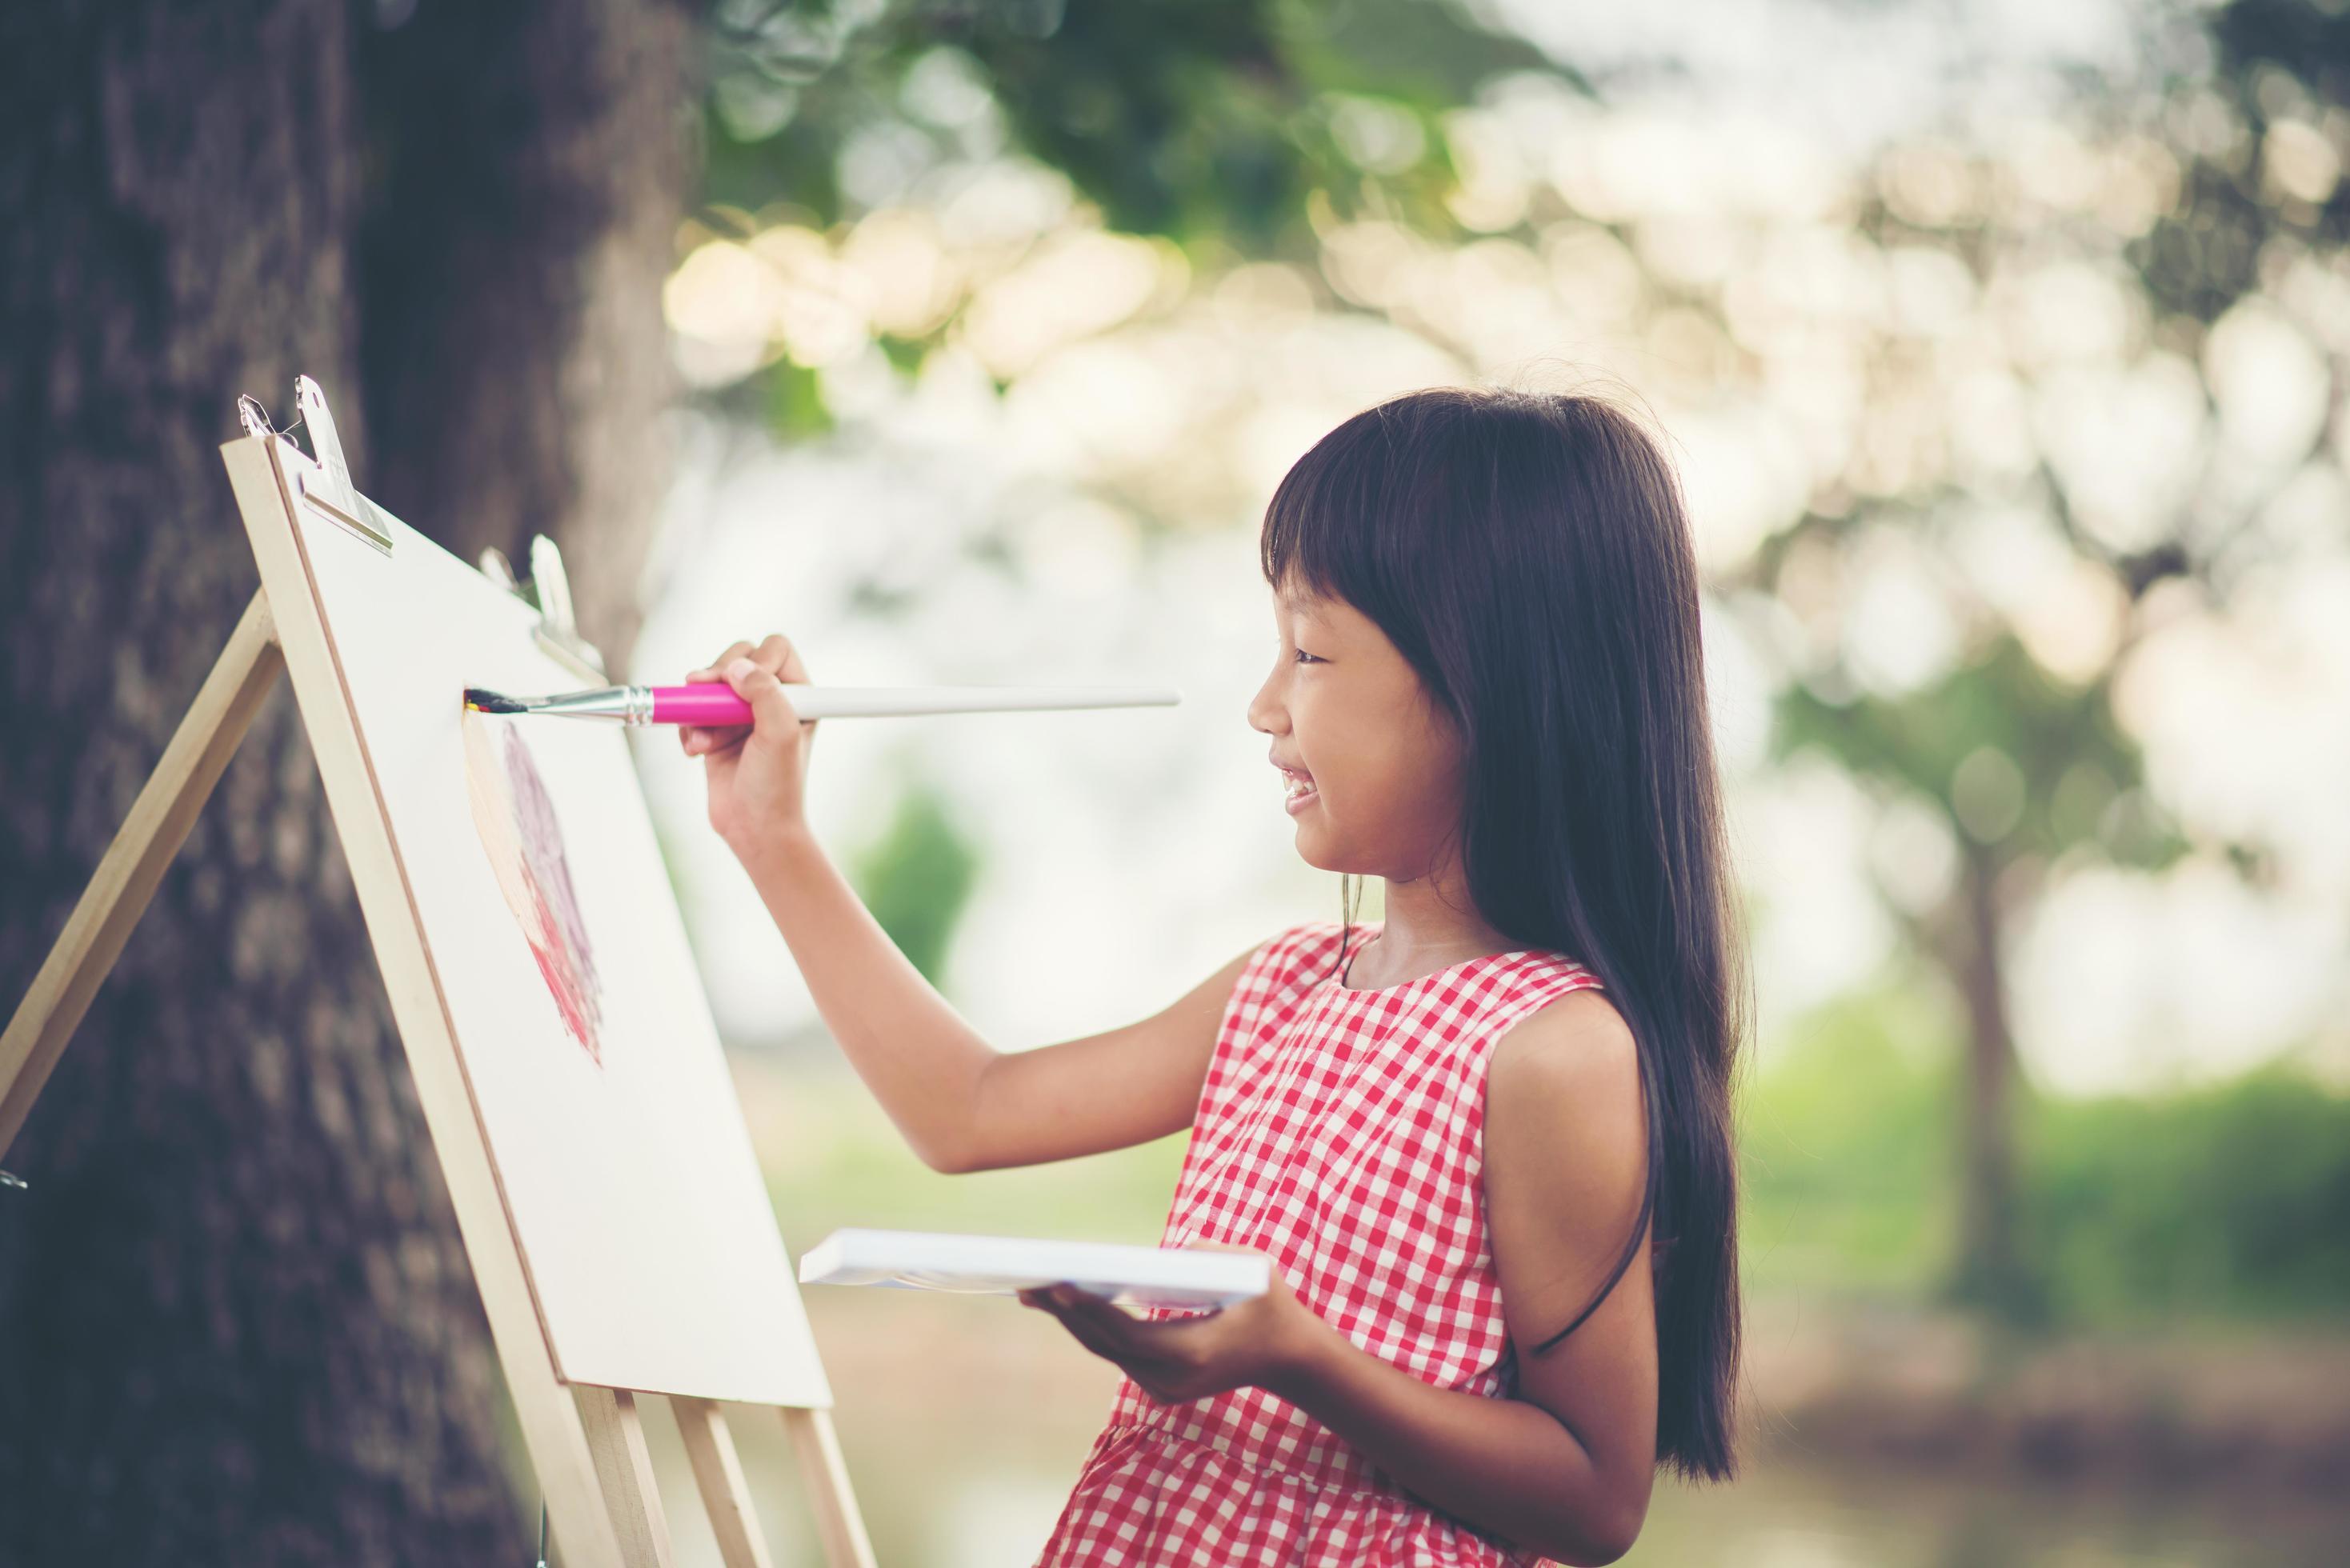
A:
[714,705]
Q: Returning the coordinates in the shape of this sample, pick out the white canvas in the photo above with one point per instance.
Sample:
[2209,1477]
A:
[593,1063]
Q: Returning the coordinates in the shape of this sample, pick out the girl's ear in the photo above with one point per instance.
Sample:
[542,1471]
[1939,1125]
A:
[1444,732]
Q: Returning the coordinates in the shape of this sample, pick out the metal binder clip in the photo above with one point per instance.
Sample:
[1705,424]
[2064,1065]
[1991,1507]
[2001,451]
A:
[558,631]
[498,569]
[327,488]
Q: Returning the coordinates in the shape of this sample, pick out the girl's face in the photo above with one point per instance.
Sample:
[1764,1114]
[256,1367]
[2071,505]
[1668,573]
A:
[1347,712]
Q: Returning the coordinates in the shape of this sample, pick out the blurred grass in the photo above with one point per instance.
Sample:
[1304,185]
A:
[1845,1150]
[832,1158]
[2226,1201]
[2230,1199]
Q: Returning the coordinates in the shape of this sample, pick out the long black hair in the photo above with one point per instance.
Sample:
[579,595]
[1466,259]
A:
[1529,553]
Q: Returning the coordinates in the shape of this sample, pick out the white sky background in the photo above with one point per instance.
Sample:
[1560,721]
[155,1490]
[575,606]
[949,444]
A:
[1125,854]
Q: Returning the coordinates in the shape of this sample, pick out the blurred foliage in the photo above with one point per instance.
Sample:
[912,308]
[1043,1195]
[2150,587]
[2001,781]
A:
[1846,1148]
[796,405]
[2230,1200]
[2232,1197]
[2278,62]
[917,875]
[2069,756]
[1214,123]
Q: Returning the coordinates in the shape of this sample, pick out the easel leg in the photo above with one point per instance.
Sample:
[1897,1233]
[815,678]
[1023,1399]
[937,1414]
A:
[134,863]
[827,1477]
[624,1468]
[718,1471]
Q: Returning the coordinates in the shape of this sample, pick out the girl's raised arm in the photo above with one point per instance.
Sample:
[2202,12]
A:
[962,1105]
[1103,1092]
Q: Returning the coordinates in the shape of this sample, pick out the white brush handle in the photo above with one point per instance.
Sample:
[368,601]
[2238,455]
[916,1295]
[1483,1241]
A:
[814,702]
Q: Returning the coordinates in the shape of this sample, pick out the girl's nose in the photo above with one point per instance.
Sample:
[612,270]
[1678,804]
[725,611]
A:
[1263,712]
[1265,715]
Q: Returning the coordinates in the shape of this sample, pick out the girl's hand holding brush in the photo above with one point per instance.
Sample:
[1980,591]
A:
[757,774]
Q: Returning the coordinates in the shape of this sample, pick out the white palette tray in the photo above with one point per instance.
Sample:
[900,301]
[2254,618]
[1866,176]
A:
[1002,1265]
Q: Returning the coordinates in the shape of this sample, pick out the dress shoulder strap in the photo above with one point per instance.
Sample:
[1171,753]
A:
[1531,983]
[1265,999]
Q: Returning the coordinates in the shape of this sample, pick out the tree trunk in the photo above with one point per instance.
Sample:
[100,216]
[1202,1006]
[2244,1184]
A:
[1989,1267]
[237,1323]
[515,361]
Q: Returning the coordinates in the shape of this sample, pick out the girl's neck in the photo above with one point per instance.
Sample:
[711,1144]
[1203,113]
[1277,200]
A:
[1421,933]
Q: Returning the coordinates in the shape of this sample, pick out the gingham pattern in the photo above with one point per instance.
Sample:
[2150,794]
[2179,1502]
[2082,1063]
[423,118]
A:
[1341,1132]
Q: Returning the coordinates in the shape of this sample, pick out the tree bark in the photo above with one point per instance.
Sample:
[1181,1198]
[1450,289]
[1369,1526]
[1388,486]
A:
[1990,1270]
[516,360]
[237,1323]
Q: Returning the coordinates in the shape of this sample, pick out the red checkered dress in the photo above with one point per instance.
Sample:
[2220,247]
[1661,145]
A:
[1340,1131]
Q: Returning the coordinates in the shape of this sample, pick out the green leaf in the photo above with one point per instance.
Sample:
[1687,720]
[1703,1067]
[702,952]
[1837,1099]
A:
[796,405]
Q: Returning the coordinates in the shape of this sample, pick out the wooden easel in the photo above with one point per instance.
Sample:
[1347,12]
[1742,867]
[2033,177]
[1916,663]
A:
[585,1442]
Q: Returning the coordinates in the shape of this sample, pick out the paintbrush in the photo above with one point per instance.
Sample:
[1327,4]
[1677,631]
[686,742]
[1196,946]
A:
[716,705]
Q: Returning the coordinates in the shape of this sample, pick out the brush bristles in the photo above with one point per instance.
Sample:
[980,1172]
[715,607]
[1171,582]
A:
[482,701]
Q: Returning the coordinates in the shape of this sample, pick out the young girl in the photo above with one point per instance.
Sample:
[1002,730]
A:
[1484,1142]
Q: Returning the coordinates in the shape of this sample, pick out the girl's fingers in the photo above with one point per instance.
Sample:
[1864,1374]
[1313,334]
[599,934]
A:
[1104,1318]
[1084,1333]
[758,686]
[777,654]
[1108,1317]
[709,672]
[774,654]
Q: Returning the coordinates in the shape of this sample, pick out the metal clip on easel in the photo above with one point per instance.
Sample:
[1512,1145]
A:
[326,487]
[549,592]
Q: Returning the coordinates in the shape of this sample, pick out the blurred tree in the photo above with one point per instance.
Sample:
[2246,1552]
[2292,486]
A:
[2027,767]
[2024,769]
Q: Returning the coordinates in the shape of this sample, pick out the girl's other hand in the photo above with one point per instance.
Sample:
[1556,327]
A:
[757,773]
[1268,1342]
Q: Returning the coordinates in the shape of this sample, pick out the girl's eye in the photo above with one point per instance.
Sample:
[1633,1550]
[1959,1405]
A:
[1308,657]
